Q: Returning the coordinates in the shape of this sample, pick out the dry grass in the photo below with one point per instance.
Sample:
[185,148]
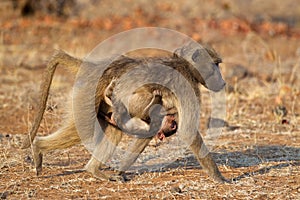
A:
[260,150]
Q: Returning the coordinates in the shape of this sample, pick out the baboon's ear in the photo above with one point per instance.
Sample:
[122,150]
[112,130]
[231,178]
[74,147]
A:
[213,54]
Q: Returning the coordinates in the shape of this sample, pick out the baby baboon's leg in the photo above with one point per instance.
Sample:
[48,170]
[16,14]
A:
[205,159]
[104,151]
[62,138]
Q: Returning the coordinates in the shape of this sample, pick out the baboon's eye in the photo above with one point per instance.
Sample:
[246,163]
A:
[196,56]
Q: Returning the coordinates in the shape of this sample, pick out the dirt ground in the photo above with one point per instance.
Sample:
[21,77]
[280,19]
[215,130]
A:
[260,45]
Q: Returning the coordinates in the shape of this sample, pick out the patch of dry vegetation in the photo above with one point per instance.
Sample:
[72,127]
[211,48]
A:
[260,148]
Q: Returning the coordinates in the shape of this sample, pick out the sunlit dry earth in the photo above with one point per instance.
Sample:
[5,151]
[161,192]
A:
[258,149]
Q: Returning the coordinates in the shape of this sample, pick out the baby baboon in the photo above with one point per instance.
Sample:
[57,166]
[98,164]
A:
[68,135]
[142,99]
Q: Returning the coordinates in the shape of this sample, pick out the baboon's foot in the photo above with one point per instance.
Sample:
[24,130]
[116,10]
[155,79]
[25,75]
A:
[119,177]
[220,179]
[99,175]
[93,168]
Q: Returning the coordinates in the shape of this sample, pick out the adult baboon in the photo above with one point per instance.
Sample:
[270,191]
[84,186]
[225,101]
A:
[181,62]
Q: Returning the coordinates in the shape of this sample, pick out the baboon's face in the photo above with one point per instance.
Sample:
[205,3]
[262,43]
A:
[211,76]
[205,66]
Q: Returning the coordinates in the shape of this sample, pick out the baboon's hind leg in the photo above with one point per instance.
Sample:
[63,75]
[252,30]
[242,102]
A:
[137,147]
[104,151]
[63,138]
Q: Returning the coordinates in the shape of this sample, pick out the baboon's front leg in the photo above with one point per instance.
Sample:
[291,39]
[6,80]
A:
[205,159]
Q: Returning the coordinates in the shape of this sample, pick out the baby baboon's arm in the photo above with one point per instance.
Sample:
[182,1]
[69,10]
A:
[156,99]
[137,123]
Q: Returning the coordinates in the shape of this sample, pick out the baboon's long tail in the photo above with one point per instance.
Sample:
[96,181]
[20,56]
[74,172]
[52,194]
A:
[59,57]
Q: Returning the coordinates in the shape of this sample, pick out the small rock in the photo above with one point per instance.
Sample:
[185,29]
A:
[236,72]
[178,188]
[216,123]
[280,111]
[4,195]
[28,159]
